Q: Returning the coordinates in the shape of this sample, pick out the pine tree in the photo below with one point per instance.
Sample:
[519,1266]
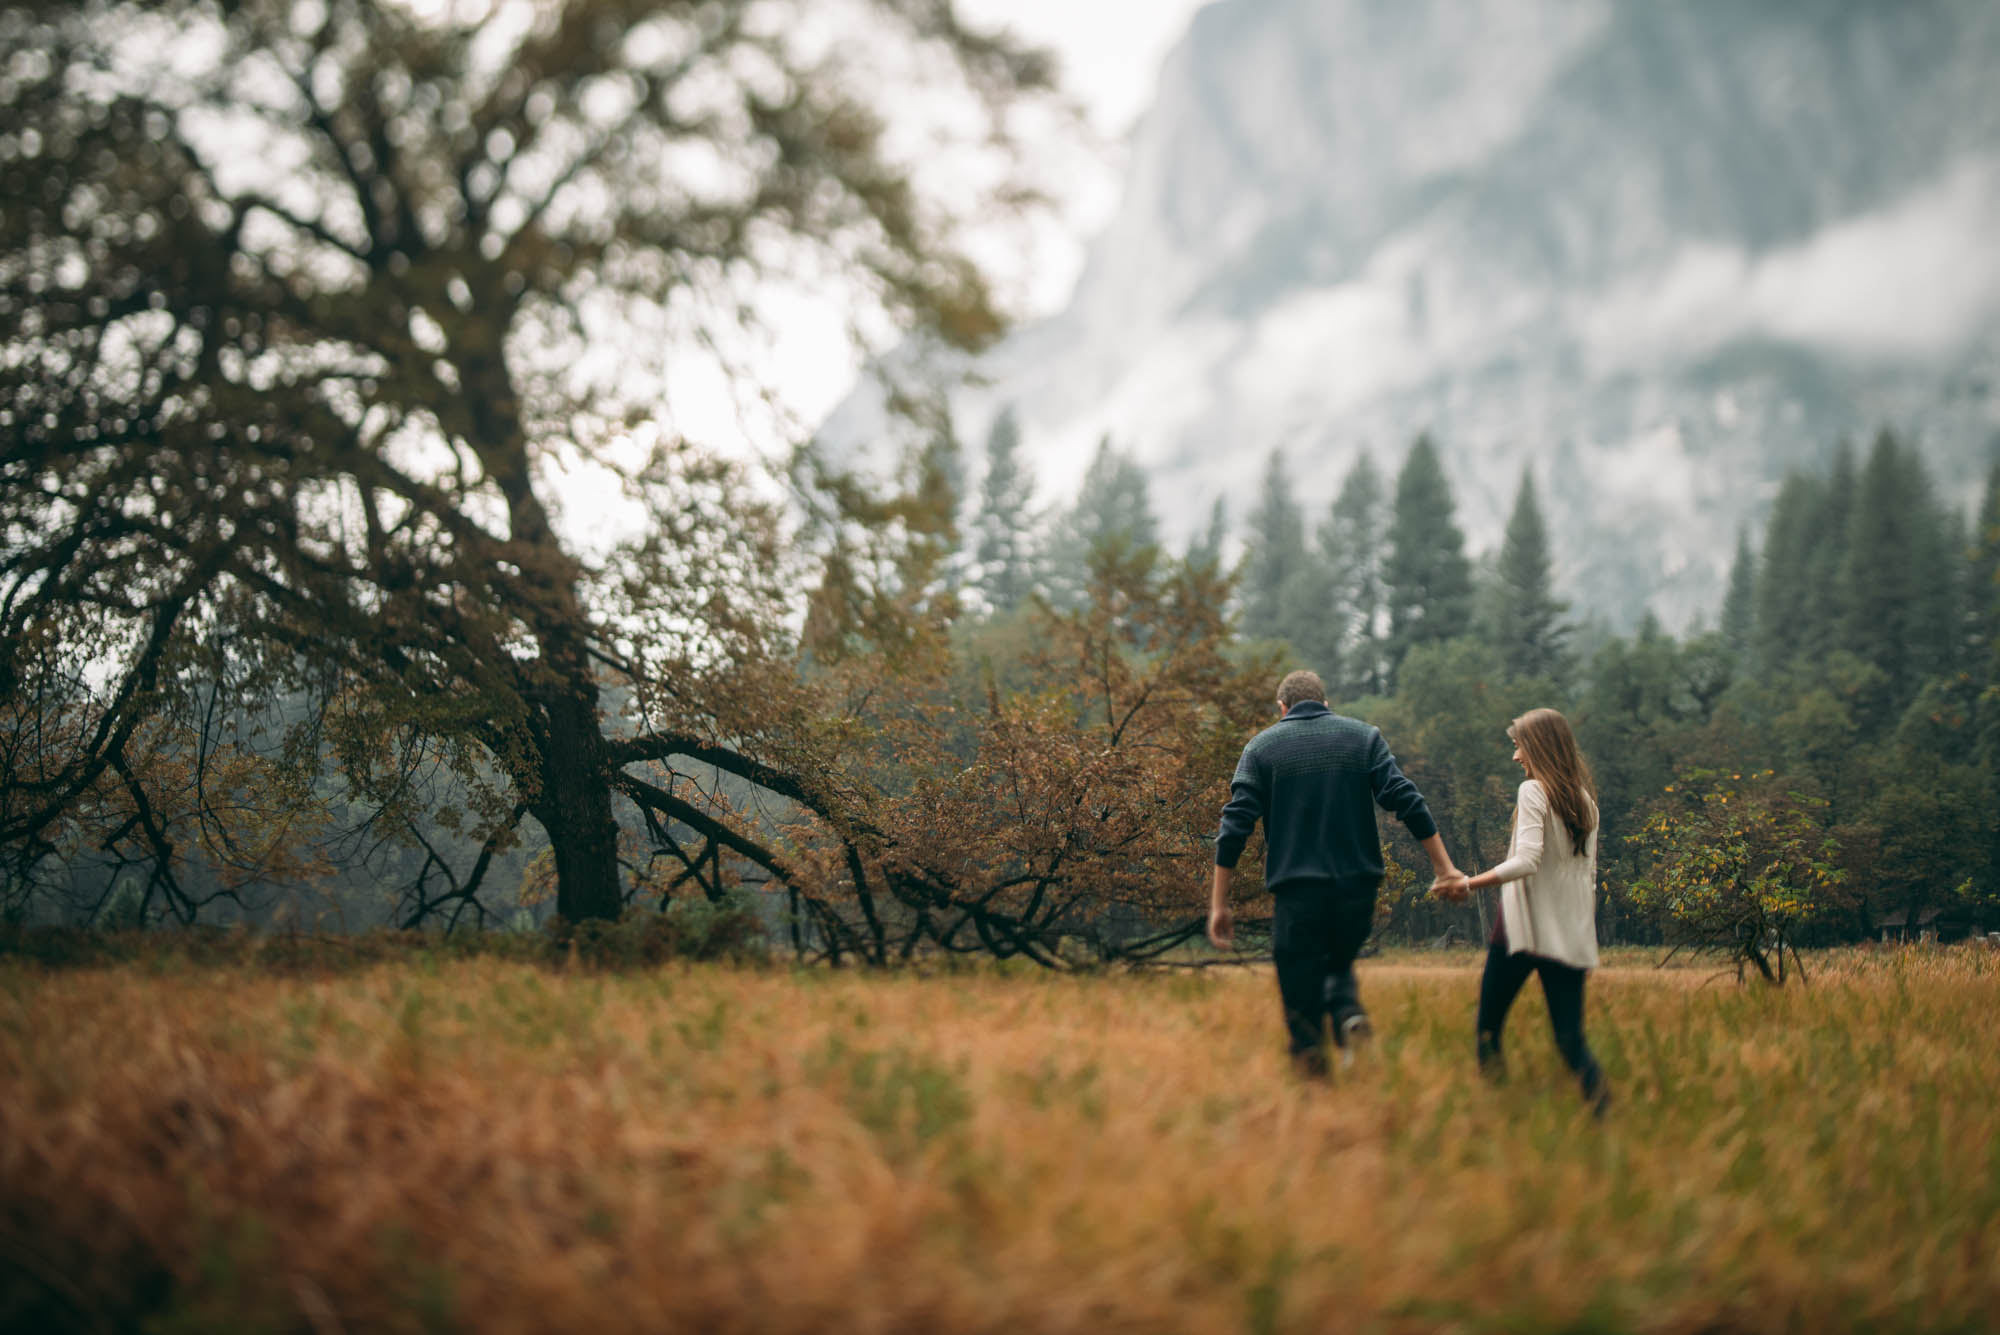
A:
[1982,659]
[940,488]
[1113,509]
[1947,602]
[1285,592]
[1982,583]
[1350,545]
[1204,551]
[1897,586]
[1939,553]
[1427,578]
[1005,525]
[1274,556]
[1266,553]
[1739,607]
[1784,599]
[933,563]
[1826,626]
[1529,627]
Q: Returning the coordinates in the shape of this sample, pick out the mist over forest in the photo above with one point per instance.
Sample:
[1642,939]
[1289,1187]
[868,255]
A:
[1663,256]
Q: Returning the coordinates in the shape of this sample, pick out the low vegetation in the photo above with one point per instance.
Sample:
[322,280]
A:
[445,1143]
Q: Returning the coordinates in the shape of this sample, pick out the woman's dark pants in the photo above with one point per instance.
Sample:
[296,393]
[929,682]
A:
[1562,988]
[1315,935]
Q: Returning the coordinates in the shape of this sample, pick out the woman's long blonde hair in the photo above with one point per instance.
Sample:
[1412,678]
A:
[1550,749]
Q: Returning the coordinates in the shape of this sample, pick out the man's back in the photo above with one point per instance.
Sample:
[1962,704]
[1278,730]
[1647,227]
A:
[1315,778]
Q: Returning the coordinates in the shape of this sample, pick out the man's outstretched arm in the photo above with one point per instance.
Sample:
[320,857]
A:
[1395,794]
[1221,922]
[1447,881]
[1239,818]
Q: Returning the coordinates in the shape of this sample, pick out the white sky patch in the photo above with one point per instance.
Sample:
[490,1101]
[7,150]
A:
[1111,50]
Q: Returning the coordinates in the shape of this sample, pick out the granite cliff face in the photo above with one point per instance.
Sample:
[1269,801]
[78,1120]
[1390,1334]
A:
[1659,252]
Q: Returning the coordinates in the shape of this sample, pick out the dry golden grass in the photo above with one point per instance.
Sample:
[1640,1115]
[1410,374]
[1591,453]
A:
[487,1146]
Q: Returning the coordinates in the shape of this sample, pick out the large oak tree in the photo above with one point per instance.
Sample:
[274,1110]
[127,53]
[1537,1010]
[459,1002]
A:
[303,311]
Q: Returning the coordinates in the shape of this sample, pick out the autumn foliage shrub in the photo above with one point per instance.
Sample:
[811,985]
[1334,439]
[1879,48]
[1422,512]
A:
[1737,863]
[1049,803]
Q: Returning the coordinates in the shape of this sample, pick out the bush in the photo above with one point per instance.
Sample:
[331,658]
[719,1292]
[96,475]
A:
[1736,865]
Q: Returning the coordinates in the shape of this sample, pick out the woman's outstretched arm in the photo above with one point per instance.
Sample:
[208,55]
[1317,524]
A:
[1531,811]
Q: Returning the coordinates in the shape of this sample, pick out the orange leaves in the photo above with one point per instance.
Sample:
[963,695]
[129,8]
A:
[1030,786]
[249,818]
[538,879]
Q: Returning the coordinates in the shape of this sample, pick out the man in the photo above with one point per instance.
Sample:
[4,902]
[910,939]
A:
[1315,778]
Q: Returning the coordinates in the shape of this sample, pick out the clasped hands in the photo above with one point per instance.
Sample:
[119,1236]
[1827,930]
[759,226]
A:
[1451,885]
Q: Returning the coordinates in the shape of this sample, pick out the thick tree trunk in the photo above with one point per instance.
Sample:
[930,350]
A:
[574,804]
[574,807]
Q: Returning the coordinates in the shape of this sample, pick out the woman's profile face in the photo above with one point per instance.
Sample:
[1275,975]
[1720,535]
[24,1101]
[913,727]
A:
[1519,759]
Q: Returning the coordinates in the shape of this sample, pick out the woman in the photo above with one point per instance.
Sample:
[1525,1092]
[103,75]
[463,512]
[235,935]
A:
[1548,897]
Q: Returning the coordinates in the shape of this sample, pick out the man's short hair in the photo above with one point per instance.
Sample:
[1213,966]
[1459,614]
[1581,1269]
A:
[1303,684]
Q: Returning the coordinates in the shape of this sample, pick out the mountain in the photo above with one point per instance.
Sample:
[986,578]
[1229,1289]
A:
[1658,252]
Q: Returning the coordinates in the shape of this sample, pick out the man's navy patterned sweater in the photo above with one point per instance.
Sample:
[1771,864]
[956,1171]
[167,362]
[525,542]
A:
[1315,778]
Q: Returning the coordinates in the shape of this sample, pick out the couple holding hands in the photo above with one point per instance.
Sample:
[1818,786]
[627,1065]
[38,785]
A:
[1315,778]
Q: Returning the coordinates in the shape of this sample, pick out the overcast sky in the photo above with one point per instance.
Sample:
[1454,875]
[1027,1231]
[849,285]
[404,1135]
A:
[1110,52]
[1111,49]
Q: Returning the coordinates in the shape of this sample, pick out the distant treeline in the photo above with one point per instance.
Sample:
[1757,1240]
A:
[1851,665]
[1051,706]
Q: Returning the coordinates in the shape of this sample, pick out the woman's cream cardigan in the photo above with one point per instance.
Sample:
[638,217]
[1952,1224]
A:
[1548,891]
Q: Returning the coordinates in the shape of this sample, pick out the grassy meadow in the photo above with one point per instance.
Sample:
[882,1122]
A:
[486,1145]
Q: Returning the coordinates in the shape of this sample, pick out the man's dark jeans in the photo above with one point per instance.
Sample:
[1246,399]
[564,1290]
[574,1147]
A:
[1315,935]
